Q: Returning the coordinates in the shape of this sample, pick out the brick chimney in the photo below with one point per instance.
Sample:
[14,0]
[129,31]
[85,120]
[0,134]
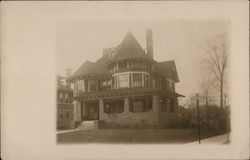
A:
[68,74]
[149,38]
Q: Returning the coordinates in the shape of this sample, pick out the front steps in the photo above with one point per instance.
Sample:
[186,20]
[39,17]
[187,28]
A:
[88,125]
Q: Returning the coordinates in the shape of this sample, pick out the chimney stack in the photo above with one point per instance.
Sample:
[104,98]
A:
[149,38]
[68,74]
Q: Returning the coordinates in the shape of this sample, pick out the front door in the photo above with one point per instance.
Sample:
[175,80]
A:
[91,111]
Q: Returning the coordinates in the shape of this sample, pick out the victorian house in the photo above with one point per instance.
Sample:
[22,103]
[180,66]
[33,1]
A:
[126,86]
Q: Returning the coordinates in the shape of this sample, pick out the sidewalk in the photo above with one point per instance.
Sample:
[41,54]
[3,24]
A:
[221,139]
[67,131]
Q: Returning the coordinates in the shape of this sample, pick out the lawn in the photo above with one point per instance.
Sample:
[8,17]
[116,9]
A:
[132,136]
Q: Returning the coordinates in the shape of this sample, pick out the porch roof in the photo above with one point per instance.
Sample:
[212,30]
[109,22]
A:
[125,92]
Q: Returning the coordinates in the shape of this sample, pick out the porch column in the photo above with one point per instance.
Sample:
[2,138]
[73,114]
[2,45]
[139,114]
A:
[78,111]
[101,109]
[155,103]
[74,111]
[155,107]
[126,104]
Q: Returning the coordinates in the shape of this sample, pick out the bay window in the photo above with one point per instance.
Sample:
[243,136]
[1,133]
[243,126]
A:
[146,80]
[92,85]
[123,80]
[137,79]
[80,86]
[130,79]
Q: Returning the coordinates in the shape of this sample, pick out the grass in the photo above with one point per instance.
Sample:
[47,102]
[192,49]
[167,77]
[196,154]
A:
[133,136]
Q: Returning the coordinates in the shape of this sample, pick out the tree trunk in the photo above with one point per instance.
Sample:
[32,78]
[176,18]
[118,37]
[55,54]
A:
[221,92]
[207,108]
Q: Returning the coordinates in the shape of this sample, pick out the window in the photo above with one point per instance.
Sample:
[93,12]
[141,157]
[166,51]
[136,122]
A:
[172,105]
[67,114]
[86,83]
[173,88]
[130,79]
[66,97]
[92,85]
[80,85]
[163,105]
[114,106]
[146,80]
[141,105]
[61,114]
[60,97]
[123,80]
[137,79]
[158,83]
[171,85]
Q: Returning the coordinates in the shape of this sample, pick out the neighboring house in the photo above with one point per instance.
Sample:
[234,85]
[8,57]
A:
[64,105]
[126,86]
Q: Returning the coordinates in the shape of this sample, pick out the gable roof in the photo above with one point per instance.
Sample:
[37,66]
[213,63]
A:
[101,64]
[87,68]
[168,69]
[129,48]
[92,69]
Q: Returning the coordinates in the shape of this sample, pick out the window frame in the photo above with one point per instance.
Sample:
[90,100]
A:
[113,105]
[147,104]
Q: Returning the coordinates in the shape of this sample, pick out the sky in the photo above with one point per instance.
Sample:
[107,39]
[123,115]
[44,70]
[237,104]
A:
[179,40]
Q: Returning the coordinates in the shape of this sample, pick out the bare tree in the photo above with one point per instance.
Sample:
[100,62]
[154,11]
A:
[207,86]
[217,51]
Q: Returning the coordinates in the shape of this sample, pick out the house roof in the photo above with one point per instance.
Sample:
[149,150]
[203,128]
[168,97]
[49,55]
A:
[92,69]
[101,64]
[87,68]
[129,48]
[168,69]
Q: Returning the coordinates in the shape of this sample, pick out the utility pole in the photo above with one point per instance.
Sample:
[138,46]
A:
[198,116]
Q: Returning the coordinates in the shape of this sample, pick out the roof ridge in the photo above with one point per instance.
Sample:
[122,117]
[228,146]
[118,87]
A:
[129,47]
